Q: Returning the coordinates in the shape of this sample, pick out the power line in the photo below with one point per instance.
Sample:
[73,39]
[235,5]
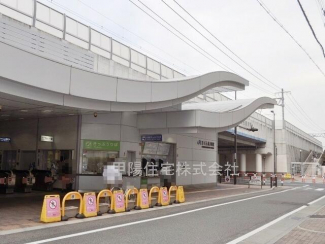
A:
[254,85]
[204,36]
[302,111]
[277,87]
[143,39]
[321,11]
[311,28]
[298,119]
[281,25]
[109,31]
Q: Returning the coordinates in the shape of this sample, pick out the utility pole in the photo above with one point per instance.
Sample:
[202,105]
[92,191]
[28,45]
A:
[283,121]
[282,105]
[235,155]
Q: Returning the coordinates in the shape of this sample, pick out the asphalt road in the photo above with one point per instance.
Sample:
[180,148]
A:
[217,221]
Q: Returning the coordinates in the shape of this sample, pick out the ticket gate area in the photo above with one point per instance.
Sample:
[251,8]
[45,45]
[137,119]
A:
[43,180]
[7,181]
[24,180]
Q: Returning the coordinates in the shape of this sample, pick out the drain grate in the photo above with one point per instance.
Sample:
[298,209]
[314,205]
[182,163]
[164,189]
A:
[317,216]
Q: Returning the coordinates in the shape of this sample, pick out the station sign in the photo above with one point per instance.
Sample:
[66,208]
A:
[47,138]
[5,139]
[206,144]
[101,145]
[155,137]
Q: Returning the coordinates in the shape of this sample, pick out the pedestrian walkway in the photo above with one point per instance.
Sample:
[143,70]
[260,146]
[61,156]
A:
[23,210]
[311,231]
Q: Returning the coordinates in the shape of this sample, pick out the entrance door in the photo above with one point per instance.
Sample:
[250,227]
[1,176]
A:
[27,159]
[9,160]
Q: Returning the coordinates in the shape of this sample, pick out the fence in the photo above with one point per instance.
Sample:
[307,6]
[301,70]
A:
[49,20]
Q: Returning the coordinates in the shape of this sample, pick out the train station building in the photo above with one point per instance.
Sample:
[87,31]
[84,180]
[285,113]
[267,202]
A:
[74,101]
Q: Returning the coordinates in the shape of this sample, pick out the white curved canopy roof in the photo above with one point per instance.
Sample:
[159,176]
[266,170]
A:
[231,105]
[30,76]
[205,115]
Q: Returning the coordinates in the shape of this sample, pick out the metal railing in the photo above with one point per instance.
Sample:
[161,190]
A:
[51,21]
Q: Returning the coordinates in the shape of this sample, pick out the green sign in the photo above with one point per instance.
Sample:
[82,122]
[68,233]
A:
[101,145]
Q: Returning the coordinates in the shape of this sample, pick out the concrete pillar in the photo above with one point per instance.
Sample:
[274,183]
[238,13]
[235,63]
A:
[242,166]
[259,163]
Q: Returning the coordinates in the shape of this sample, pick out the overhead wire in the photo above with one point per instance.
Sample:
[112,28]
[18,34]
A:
[282,26]
[302,111]
[218,62]
[253,84]
[321,11]
[110,32]
[298,118]
[272,85]
[143,39]
[310,27]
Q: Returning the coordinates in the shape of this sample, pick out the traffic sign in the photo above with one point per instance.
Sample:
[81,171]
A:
[227,179]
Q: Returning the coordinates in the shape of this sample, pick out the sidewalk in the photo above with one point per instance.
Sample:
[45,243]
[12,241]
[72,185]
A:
[311,231]
[23,210]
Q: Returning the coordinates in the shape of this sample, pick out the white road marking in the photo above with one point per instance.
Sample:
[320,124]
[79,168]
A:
[316,200]
[319,189]
[249,234]
[153,219]
[193,192]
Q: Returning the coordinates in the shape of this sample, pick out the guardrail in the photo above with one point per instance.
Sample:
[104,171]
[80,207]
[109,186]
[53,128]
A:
[53,22]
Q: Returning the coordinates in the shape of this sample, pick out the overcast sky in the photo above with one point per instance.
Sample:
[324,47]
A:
[243,26]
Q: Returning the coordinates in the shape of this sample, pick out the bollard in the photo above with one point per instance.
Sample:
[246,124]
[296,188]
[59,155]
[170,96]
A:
[133,191]
[271,181]
[276,181]
[72,196]
[154,189]
[105,206]
[314,180]
[172,189]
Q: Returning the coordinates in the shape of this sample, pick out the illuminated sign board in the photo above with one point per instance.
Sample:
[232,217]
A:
[5,139]
[157,137]
[47,138]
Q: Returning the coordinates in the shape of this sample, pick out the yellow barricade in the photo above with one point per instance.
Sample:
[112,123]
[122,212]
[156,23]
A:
[154,189]
[89,206]
[171,190]
[180,195]
[163,196]
[72,196]
[129,192]
[51,210]
[118,203]
[143,199]
[102,194]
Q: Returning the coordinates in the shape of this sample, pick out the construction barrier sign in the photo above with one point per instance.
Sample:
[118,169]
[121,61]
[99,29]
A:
[143,199]
[180,196]
[164,196]
[51,210]
[118,203]
[89,204]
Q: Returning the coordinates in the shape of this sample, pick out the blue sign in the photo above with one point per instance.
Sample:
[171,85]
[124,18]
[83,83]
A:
[5,139]
[157,137]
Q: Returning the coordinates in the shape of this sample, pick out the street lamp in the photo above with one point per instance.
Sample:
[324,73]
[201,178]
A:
[274,146]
